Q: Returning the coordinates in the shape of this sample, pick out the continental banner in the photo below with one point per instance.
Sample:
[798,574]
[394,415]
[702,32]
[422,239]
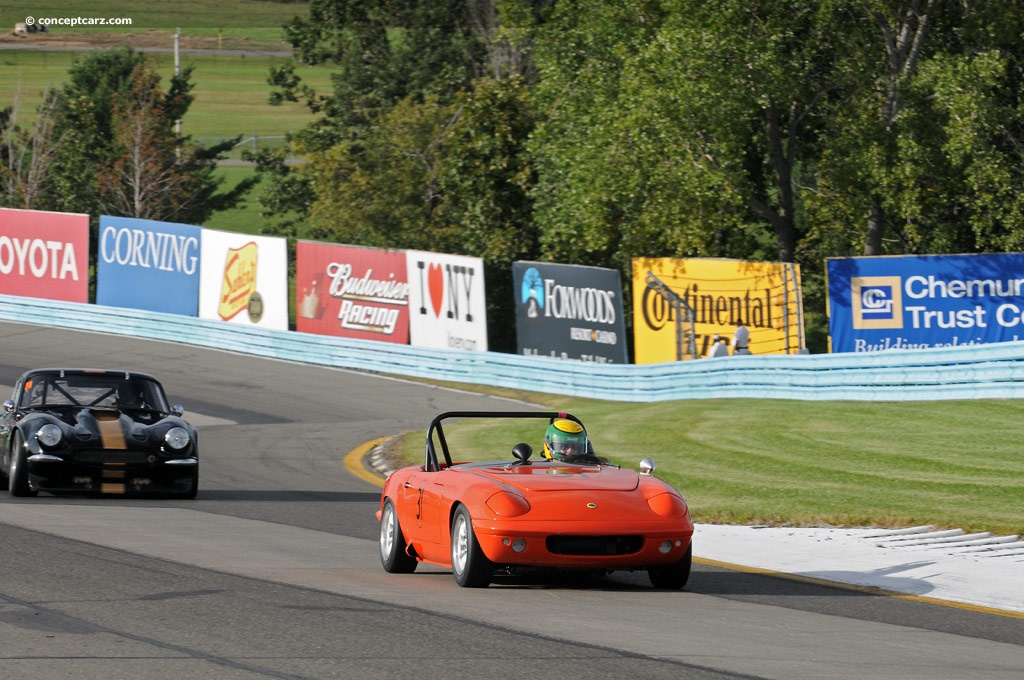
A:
[44,254]
[917,302]
[569,312]
[714,295]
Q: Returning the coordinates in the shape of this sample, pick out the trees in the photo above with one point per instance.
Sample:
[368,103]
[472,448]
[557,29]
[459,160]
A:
[120,153]
[753,129]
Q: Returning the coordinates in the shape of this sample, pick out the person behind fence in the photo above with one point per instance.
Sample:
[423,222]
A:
[719,348]
[740,339]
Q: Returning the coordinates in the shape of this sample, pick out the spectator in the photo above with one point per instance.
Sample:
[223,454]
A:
[740,339]
[719,348]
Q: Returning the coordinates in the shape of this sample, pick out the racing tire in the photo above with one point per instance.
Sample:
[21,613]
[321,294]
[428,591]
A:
[17,479]
[393,555]
[672,576]
[470,566]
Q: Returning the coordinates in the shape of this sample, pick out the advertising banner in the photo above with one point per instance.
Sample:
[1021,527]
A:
[44,254]
[143,264]
[718,293]
[570,312]
[243,279]
[351,291]
[447,308]
[916,302]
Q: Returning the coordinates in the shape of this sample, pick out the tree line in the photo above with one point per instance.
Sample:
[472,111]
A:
[596,131]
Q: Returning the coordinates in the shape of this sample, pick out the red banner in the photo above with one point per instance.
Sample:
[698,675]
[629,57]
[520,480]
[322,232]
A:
[44,254]
[351,292]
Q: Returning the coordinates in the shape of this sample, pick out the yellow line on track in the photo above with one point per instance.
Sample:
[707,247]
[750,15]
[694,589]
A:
[871,590]
[354,462]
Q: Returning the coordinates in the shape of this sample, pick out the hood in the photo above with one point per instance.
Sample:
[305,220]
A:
[558,477]
[113,429]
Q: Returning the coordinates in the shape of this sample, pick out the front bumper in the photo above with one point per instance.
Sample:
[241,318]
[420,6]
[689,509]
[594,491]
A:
[112,473]
[622,547]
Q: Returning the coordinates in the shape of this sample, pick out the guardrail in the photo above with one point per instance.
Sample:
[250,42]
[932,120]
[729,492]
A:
[994,371]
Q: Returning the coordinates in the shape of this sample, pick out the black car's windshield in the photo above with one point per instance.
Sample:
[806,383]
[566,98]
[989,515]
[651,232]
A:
[103,391]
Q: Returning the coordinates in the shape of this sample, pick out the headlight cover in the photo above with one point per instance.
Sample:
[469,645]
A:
[668,505]
[177,438]
[505,504]
[49,435]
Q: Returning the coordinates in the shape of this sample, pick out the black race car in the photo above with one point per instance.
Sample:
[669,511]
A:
[88,431]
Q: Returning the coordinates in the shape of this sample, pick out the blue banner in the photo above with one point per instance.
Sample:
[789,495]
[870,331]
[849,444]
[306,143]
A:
[880,303]
[143,264]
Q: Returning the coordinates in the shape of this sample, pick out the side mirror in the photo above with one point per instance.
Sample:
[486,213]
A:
[522,451]
[177,410]
[9,405]
[647,466]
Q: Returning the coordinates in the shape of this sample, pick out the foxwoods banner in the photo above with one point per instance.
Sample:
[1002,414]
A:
[880,303]
[570,312]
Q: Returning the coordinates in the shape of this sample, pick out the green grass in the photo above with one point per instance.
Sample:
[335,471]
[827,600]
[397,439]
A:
[230,91]
[251,23]
[761,461]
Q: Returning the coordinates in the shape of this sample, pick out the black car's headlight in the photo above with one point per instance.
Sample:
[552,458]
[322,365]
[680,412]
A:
[177,438]
[49,435]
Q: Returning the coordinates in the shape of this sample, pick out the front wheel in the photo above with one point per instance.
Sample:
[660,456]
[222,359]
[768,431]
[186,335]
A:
[673,576]
[470,566]
[393,556]
[17,480]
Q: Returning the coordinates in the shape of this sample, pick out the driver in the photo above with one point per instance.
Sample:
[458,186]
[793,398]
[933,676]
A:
[565,440]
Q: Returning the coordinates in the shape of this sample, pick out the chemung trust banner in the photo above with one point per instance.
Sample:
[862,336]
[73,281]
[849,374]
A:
[917,302]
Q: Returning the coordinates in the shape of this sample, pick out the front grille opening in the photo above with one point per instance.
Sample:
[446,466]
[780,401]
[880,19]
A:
[594,545]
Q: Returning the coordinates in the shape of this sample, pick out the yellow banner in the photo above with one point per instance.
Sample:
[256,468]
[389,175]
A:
[714,295]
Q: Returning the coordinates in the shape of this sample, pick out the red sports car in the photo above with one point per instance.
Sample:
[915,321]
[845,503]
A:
[568,509]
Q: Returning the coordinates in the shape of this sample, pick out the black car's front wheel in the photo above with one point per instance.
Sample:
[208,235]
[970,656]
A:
[470,566]
[17,479]
[673,576]
[393,556]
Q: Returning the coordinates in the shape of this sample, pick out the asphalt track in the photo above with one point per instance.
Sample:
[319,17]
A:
[273,572]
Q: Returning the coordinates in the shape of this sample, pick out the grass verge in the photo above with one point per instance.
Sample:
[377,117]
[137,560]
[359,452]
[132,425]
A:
[953,464]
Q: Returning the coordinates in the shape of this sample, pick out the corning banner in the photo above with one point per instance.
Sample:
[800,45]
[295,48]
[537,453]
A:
[243,279]
[766,296]
[569,311]
[44,254]
[351,291]
[447,308]
[144,264]
[916,302]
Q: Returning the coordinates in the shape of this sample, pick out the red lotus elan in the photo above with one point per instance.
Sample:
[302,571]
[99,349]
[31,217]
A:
[570,509]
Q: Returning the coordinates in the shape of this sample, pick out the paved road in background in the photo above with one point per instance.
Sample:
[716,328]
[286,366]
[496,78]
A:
[273,572]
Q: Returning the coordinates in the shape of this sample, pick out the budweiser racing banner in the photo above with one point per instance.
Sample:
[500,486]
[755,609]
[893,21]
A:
[44,254]
[243,279]
[569,312]
[680,305]
[912,302]
[447,309]
[142,264]
[351,291]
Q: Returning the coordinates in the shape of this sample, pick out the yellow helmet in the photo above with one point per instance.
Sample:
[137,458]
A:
[565,439]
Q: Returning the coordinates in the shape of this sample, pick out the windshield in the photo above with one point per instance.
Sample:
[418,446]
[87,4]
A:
[104,391]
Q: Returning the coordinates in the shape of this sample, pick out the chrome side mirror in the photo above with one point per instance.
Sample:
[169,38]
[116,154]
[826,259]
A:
[177,410]
[647,466]
[9,405]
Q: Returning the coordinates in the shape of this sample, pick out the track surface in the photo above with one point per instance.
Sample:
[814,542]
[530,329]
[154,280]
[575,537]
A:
[273,572]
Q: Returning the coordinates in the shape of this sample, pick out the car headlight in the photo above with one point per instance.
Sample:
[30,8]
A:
[668,505]
[49,435]
[505,504]
[177,438]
